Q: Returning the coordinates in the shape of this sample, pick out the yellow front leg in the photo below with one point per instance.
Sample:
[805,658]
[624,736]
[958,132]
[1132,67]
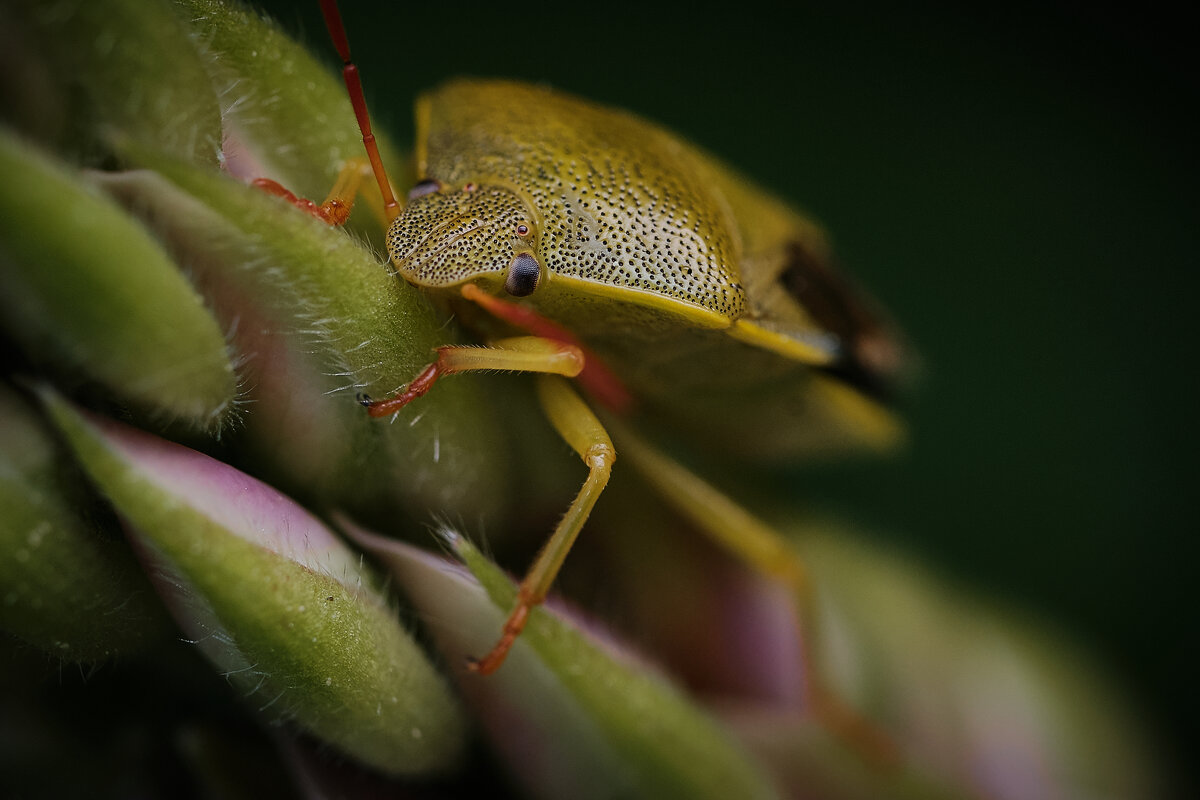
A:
[518,354]
[576,423]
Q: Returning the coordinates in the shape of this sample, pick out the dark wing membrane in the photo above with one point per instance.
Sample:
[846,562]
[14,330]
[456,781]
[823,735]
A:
[871,356]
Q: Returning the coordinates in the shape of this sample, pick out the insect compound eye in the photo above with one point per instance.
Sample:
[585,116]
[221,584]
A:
[427,186]
[522,230]
[523,276]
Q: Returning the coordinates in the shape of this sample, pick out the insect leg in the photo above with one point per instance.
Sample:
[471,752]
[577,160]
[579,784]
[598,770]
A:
[576,423]
[597,380]
[335,209]
[518,354]
[763,549]
[337,32]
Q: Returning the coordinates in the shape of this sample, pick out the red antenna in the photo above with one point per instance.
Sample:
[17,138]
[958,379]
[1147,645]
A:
[337,32]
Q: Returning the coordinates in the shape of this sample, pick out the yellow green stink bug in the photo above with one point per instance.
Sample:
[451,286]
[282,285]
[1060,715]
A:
[584,242]
[693,286]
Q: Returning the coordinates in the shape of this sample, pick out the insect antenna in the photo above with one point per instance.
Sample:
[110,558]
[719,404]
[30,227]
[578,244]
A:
[337,32]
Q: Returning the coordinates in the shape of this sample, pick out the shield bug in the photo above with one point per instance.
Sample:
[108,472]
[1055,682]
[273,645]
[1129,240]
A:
[585,242]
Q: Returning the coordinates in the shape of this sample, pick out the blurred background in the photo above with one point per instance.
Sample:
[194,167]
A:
[1017,186]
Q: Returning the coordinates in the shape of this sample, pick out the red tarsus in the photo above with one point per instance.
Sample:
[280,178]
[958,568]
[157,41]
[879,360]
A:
[419,386]
[333,212]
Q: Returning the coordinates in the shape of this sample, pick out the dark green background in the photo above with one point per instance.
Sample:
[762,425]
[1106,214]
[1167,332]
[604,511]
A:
[1018,186]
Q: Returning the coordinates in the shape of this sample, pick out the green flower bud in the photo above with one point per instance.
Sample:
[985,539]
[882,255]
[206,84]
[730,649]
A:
[274,599]
[84,288]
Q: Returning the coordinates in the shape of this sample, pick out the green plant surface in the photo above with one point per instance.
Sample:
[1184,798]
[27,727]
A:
[70,586]
[120,67]
[106,302]
[273,599]
[602,724]
[197,346]
[317,319]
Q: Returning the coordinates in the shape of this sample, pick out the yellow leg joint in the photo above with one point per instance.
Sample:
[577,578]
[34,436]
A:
[581,429]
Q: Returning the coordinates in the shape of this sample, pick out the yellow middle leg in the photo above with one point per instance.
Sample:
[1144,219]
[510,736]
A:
[576,423]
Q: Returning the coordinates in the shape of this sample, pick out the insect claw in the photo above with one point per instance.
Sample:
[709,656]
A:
[363,399]
[486,665]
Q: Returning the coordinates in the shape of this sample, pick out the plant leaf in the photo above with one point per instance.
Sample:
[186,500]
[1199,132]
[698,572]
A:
[973,694]
[571,718]
[286,116]
[319,319]
[114,65]
[273,599]
[85,287]
[66,587]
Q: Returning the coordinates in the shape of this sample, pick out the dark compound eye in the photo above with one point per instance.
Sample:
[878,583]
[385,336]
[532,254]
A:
[522,229]
[427,186]
[523,276]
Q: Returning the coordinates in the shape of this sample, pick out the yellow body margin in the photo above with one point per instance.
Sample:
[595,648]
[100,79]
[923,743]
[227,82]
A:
[871,422]
[786,346]
[696,315]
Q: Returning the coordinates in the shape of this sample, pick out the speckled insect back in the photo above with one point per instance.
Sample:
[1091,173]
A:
[614,200]
[683,277]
